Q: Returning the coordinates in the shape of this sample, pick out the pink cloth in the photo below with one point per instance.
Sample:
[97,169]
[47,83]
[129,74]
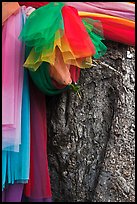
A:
[8,9]
[12,82]
[119,9]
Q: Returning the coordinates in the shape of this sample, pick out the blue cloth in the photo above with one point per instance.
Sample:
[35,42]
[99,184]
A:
[16,165]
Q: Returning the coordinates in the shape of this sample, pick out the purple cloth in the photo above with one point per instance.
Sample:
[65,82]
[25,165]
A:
[13,193]
[3,196]
[119,9]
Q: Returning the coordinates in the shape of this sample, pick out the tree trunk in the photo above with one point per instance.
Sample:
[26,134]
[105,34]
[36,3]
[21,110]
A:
[91,141]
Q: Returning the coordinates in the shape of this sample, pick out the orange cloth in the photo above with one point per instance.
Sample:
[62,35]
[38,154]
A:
[9,8]
[60,70]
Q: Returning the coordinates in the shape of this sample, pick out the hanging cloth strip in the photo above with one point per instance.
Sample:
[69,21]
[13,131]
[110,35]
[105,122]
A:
[15,164]
[13,193]
[12,84]
[39,182]
[8,9]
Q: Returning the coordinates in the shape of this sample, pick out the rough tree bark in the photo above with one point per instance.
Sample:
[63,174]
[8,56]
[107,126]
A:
[91,141]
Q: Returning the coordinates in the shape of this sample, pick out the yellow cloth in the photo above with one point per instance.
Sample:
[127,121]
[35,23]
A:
[35,59]
[104,16]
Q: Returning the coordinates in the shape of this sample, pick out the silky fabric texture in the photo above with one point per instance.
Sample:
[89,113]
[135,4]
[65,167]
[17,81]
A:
[13,193]
[49,86]
[62,56]
[119,9]
[75,50]
[38,185]
[12,84]
[41,26]
[9,8]
[45,83]
[95,31]
[59,72]
[124,10]
[16,165]
[114,28]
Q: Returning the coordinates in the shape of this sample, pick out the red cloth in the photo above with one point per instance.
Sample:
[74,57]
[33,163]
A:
[116,32]
[75,73]
[39,181]
[33,4]
[76,34]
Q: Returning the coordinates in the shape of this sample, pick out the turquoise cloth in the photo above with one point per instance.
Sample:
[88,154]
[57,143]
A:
[16,165]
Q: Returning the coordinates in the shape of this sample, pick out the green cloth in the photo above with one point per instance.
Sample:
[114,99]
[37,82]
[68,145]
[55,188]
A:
[41,26]
[96,37]
[42,79]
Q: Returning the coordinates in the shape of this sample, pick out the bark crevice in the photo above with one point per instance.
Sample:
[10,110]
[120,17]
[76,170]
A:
[88,139]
